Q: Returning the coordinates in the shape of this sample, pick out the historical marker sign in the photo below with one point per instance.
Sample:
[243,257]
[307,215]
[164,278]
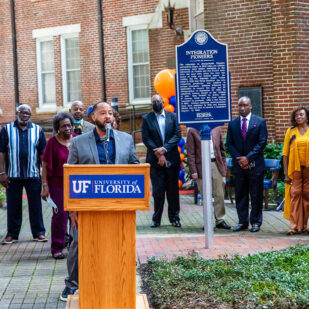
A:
[203,82]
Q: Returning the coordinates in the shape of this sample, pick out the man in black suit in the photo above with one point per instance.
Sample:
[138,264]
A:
[161,135]
[246,139]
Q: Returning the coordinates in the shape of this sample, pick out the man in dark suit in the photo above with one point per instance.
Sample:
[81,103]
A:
[246,139]
[161,135]
[218,169]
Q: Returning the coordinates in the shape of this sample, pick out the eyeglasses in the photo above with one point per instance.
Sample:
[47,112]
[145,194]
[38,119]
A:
[25,112]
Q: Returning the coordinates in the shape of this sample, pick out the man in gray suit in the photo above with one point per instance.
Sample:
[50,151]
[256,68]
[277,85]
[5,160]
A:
[102,145]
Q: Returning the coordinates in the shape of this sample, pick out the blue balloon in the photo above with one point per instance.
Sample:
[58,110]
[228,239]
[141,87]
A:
[182,149]
[181,174]
[183,179]
[181,142]
[172,100]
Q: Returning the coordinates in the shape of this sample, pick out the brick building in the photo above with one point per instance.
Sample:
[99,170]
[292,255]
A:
[59,52]
[268,43]
[60,47]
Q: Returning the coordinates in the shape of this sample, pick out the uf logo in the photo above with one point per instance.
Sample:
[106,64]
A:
[81,186]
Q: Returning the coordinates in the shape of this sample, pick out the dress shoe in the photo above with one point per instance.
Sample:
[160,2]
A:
[58,256]
[223,225]
[176,223]
[254,228]
[9,240]
[240,227]
[40,238]
[154,224]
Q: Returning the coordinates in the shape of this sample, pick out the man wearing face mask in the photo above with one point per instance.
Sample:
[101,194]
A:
[161,135]
[80,125]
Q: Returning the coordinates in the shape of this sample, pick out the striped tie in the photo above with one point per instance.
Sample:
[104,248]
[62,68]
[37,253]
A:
[244,128]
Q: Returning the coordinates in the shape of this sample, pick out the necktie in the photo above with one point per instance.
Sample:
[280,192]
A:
[244,128]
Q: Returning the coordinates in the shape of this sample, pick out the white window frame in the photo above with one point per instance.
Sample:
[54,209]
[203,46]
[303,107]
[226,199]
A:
[64,66]
[52,107]
[133,101]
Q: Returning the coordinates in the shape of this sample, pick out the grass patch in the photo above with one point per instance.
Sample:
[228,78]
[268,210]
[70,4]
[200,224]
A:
[266,280]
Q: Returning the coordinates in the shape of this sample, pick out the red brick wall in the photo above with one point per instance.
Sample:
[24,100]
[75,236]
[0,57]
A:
[43,14]
[6,64]
[269,47]
[163,41]
[115,44]
[246,27]
[302,18]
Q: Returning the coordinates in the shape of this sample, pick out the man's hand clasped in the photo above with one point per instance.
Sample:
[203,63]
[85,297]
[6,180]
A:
[160,154]
[243,163]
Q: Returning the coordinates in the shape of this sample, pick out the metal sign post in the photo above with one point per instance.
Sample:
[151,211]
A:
[203,101]
[207,187]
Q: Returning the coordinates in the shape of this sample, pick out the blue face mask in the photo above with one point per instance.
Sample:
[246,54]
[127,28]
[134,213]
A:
[77,121]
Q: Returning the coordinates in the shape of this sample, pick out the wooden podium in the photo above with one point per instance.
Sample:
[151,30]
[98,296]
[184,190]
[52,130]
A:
[106,229]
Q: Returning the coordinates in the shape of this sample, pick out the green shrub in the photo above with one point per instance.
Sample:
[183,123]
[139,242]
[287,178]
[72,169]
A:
[2,194]
[273,151]
[265,280]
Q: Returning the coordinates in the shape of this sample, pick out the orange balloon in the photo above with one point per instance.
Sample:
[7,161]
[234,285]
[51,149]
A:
[179,149]
[182,156]
[182,166]
[179,184]
[182,126]
[169,108]
[165,102]
[164,83]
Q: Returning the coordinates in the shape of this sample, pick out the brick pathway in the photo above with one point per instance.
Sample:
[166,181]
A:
[169,242]
[30,278]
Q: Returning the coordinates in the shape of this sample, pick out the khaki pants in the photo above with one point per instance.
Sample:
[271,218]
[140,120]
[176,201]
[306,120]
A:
[300,200]
[218,185]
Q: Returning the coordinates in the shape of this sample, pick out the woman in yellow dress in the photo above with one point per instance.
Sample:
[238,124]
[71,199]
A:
[296,170]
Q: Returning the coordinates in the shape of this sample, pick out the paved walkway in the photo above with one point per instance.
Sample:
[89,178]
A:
[30,278]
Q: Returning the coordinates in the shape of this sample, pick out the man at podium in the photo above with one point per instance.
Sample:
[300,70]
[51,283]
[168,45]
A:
[102,145]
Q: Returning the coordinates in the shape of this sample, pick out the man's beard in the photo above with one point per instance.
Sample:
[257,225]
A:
[100,125]
[22,122]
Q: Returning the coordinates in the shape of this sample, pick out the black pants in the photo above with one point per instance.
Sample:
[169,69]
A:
[165,180]
[246,184]
[14,206]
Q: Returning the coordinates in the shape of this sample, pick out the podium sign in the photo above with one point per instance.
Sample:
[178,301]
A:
[106,198]
[202,81]
[107,186]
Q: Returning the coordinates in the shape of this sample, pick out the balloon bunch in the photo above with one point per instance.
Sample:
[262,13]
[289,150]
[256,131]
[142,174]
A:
[164,84]
[181,150]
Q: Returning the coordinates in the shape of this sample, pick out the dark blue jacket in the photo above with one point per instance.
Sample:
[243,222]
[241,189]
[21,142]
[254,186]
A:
[252,147]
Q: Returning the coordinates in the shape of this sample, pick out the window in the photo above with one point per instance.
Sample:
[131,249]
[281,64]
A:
[138,61]
[46,72]
[70,68]
[196,14]
[256,97]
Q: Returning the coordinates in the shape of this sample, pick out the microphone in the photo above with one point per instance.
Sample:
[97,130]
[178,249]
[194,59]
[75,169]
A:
[108,129]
